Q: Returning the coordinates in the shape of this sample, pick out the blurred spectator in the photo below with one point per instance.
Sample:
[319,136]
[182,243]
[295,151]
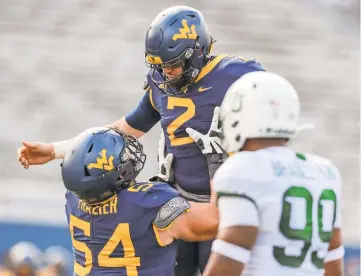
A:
[58,262]
[23,259]
[6,271]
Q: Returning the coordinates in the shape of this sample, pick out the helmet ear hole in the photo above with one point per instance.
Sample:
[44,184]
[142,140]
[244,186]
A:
[91,148]
[210,48]
[114,142]
[86,172]
[235,124]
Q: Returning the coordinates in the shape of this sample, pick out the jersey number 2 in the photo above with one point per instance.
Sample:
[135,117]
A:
[184,117]
[120,235]
[326,204]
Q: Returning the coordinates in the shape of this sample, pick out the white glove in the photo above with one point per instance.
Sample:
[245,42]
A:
[209,143]
[165,171]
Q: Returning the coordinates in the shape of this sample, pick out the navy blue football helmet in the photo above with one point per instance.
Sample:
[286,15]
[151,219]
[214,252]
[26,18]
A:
[101,162]
[177,36]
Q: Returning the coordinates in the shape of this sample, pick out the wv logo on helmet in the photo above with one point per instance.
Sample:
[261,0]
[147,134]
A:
[103,162]
[185,32]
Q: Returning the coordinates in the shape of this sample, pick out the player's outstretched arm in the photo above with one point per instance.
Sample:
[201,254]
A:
[136,123]
[334,259]
[38,153]
[125,127]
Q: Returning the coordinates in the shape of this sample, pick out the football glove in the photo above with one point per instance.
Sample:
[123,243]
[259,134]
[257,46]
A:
[210,143]
[165,161]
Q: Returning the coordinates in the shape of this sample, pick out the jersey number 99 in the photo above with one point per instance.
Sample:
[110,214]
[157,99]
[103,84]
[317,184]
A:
[292,195]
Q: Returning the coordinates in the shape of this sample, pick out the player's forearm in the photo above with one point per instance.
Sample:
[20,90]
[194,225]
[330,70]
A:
[62,147]
[334,268]
[334,258]
[124,126]
[219,265]
[204,224]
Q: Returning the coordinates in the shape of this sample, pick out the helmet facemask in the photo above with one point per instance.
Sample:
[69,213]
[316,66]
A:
[132,160]
[181,82]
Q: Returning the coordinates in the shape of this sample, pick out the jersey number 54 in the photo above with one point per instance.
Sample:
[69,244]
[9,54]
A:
[120,235]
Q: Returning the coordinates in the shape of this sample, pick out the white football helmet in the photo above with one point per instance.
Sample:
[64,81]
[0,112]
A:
[259,105]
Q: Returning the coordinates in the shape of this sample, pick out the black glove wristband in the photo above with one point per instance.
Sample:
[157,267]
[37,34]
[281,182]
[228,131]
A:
[215,160]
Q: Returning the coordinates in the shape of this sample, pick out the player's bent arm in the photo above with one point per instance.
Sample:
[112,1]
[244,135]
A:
[236,236]
[334,257]
[61,148]
[142,118]
[199,223]
[124,126]
[136,123]
[190,221]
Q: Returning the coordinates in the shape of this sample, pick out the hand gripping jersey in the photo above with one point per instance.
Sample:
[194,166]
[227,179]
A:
[118,237]
[295,203]
[193,109]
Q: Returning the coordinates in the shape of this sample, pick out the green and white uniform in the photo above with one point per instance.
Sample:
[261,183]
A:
[293,199]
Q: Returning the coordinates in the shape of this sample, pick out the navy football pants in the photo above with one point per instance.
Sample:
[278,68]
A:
[192,257]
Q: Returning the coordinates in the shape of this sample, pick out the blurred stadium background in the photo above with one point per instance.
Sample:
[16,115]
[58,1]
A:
[72,64]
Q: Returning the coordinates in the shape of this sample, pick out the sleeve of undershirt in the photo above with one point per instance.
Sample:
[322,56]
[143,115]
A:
[145,115]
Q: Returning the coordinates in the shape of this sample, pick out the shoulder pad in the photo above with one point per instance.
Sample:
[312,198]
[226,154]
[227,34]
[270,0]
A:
[145,83]
[236,174]
[318,159]
[251,63]
[170,211]
[246,59]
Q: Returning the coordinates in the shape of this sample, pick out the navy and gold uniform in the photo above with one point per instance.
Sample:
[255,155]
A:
[118,237]
[179,37]
[192,108]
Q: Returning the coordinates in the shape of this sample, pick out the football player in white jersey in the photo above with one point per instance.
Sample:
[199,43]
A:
[279,209]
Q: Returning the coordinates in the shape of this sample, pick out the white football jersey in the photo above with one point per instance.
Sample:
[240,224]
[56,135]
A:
[295,205]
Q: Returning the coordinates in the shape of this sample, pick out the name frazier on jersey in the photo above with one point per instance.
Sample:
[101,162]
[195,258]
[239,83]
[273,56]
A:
[108,208]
